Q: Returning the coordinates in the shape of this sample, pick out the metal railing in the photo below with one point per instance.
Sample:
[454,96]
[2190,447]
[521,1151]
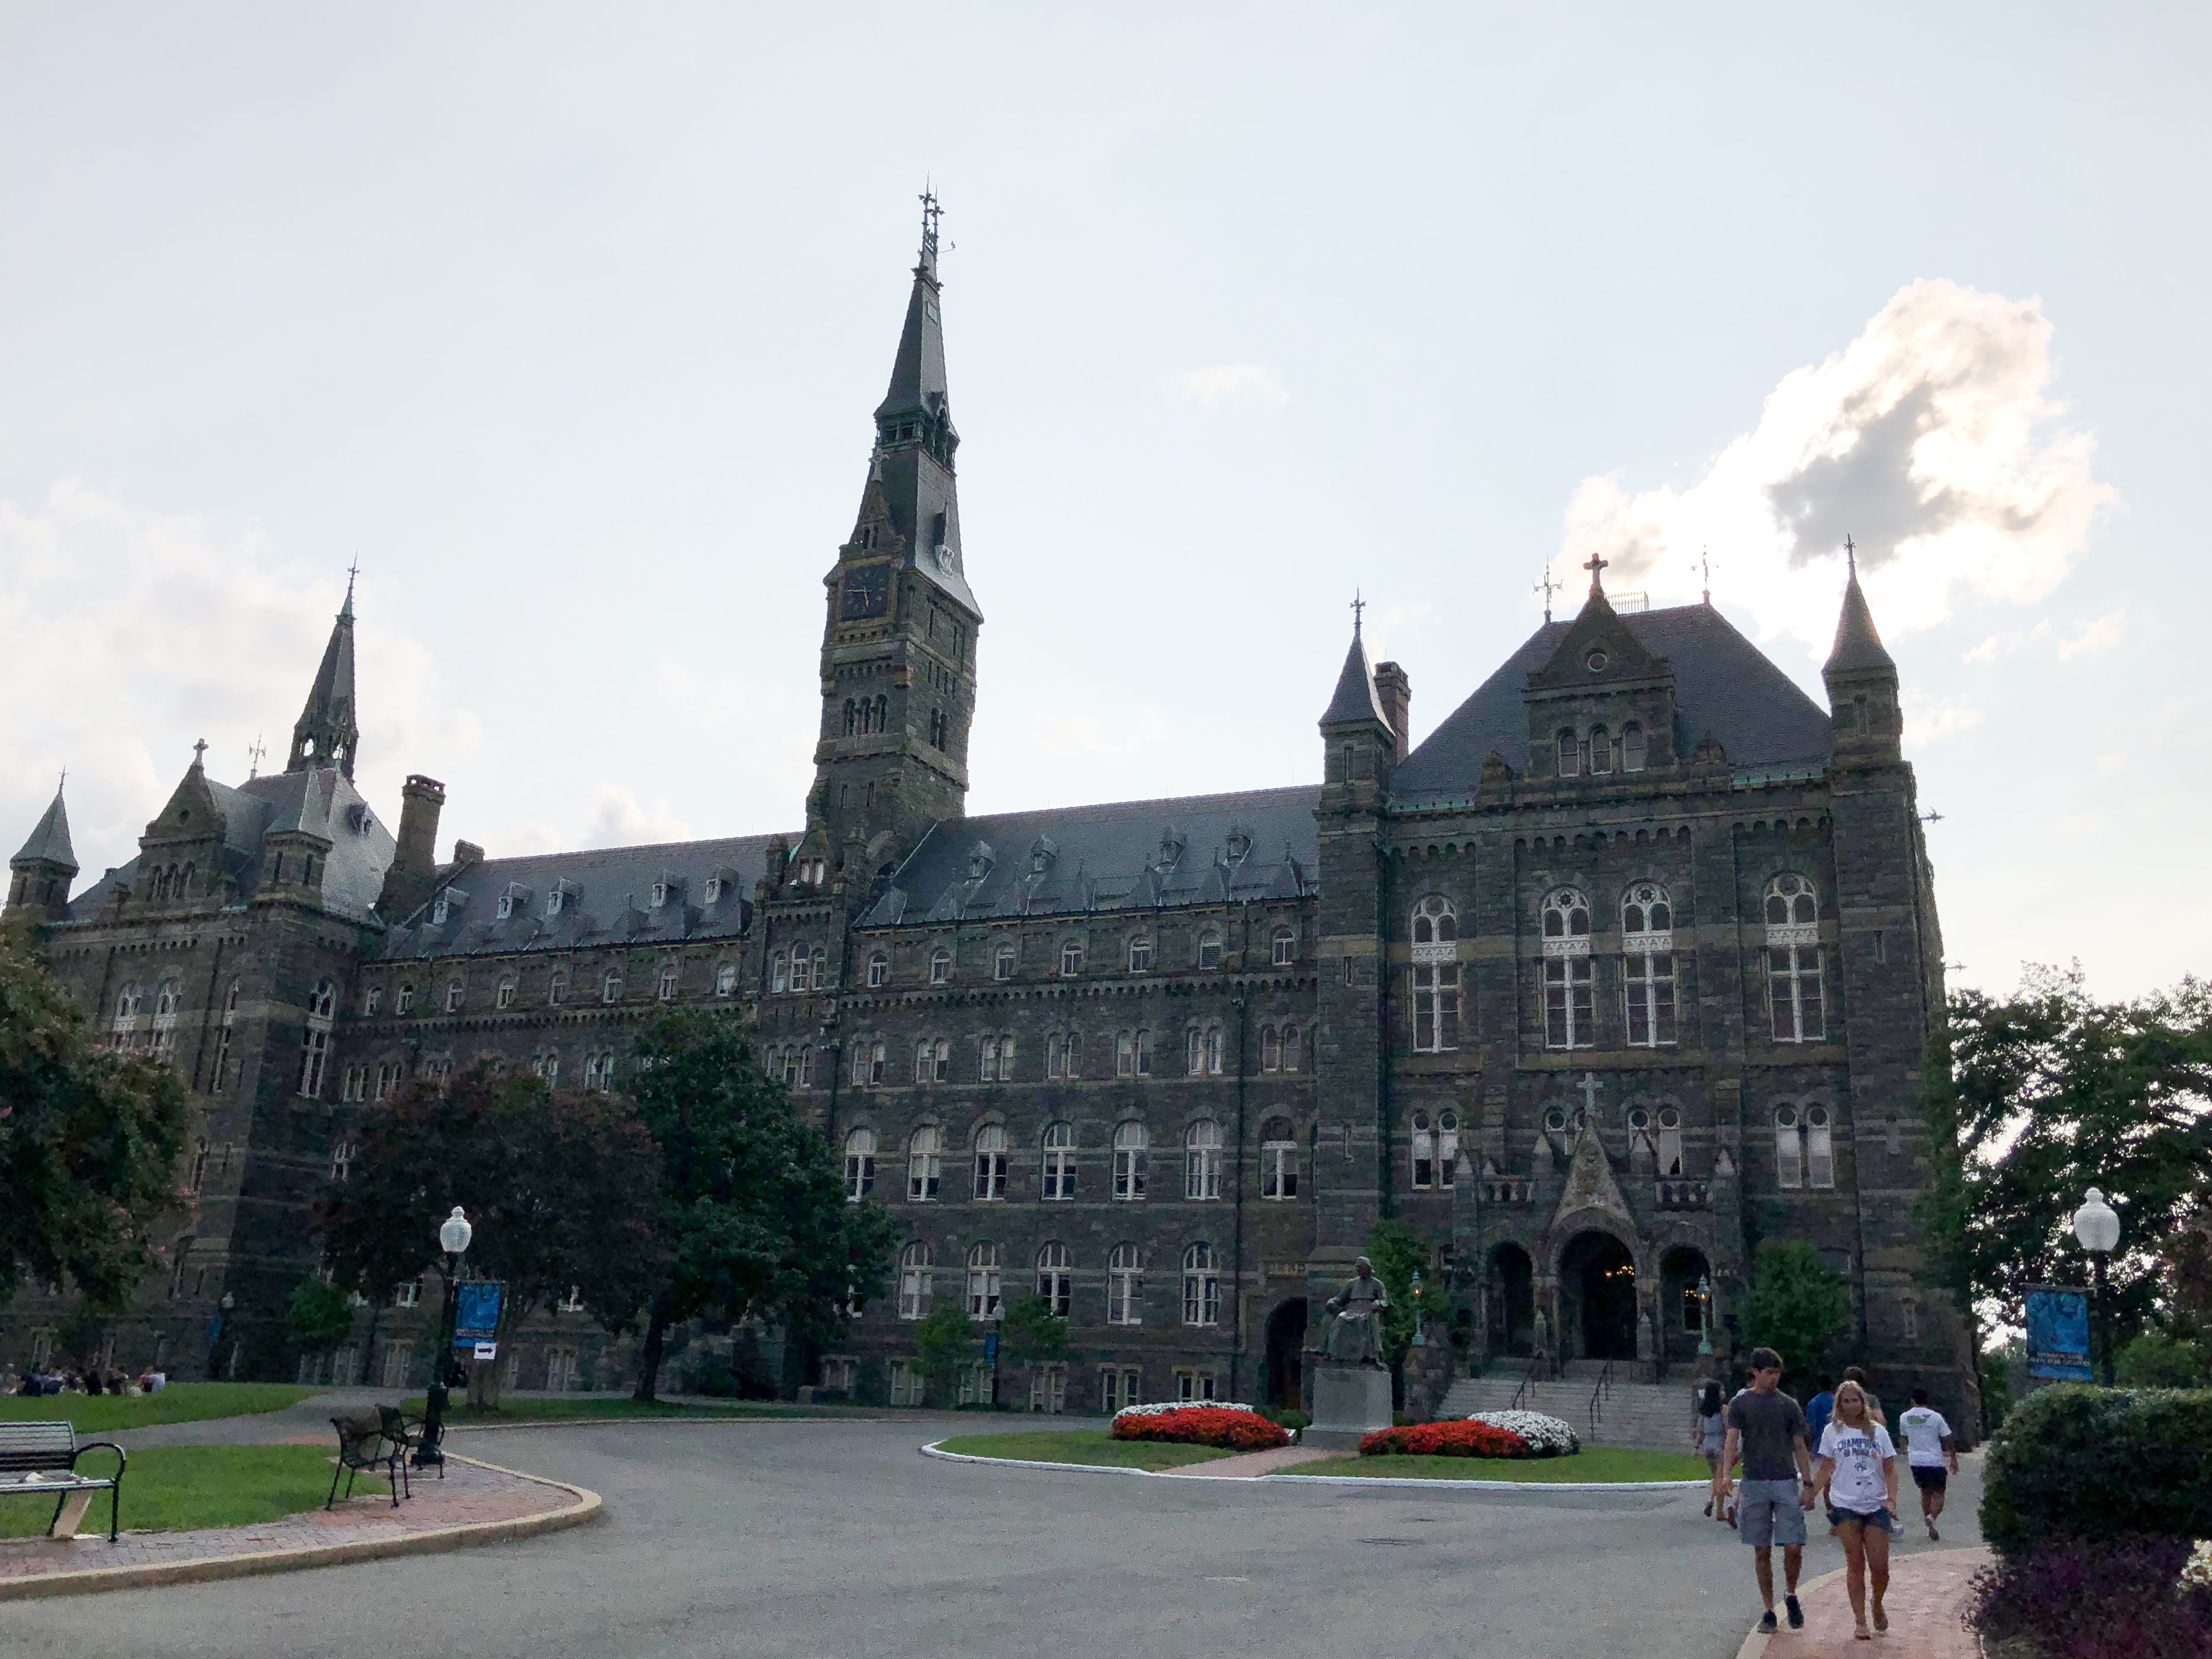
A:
[1600,1395]
[1527,1382]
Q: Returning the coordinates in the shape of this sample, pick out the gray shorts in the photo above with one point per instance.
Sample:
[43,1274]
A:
[1767,1513]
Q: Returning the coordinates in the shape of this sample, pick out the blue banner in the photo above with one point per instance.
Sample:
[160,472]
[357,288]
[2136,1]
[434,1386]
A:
[475,1317]
[2058,1335]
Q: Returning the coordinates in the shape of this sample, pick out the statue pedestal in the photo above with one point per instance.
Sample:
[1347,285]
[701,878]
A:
[1348,1401]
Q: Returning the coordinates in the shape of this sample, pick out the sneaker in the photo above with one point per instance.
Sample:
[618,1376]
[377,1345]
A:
[1767,1625]
[1934,1536]
[1796,1612]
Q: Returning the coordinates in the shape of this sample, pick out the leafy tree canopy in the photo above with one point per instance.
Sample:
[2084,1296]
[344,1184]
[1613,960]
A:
[1033,1333]
[944,1342]
[1397,1252]
[1798,1305]
[319,1315]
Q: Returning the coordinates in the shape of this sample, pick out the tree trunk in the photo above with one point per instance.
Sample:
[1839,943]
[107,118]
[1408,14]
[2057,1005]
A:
[648,1369]
[487,1377]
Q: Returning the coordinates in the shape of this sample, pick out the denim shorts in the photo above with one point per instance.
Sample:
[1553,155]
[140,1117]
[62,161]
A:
[1767,1513]
[1880,1520]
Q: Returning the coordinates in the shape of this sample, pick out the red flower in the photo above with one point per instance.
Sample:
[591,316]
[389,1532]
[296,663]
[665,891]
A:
[1203,1425]
[1452,1439]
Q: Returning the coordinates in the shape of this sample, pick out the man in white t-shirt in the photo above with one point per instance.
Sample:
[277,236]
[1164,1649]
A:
[1932,1453]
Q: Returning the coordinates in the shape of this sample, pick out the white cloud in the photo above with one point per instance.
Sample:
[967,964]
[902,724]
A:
[2003,645]
[1228,383]
[131,633]
[1930,439]
[617,819]
[1929,721]
[2101,635]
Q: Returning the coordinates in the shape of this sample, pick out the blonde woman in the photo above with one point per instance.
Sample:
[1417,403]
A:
[1857,1476]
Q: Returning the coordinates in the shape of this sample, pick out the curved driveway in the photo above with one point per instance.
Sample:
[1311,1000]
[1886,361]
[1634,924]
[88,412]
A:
[804,1538]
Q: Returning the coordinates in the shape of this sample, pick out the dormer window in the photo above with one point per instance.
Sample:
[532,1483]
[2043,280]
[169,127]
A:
[1171,846]
[1240,845]
[554,900]
[979,862]
[505,906]
[713,890]
[1041,856]
[440,909]
[659,894]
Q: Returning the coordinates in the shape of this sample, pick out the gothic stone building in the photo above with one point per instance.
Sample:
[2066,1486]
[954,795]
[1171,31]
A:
[1626,967]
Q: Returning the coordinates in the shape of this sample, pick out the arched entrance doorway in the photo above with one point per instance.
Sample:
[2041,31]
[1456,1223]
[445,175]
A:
[1511,1300]
[1287,1340]
[1679,1307]
[1597,1297]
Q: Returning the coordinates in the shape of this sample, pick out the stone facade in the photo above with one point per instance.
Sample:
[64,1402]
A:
[1626,969]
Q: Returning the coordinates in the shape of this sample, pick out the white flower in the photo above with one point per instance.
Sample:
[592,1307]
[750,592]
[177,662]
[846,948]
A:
[1155,1409]
[2197,1570]
[1547,1436]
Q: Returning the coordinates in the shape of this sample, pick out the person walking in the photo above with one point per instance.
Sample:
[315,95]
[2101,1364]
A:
[1818,1410]
[1855,1373]
[1858,1477]
[1709,1435]
[1932,1454]
[1767,1427]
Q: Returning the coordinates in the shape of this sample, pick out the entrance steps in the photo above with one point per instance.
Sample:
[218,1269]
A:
[1653,1415]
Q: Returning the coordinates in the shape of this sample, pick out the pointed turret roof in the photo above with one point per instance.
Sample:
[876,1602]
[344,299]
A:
[918,382]
[1858,647]
[326,733]
[50,842]
[1355,701]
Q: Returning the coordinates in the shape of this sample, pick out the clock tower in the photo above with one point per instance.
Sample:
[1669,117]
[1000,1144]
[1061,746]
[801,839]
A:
[898,644]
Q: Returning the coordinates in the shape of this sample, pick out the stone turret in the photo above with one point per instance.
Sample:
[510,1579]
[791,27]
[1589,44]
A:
[39,875]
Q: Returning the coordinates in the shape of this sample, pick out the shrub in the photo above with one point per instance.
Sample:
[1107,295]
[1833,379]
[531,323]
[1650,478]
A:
[2093,1465]
[1548,1435]
[2124,1599]
[1238,1428]
[1284,1417]
[1468,1439]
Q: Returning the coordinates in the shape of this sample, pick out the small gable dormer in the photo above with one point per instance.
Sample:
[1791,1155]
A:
[1601,704]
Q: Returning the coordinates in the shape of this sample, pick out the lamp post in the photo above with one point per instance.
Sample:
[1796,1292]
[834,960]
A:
[453,1235]
[2097,1225]
[1420,1321]
[1705,1314]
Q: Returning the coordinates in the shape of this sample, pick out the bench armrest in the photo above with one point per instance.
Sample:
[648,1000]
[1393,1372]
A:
[100,1445]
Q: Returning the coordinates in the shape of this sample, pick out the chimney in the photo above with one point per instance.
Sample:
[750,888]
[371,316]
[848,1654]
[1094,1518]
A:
[415,865]
[1396,692]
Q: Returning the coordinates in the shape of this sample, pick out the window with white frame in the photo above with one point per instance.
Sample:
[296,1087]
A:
[1601,749]
[983,1281]
[779,971]
[1048,1387]
[1060,1161]
[1647,950]
[453,994]
[990,1162]
[1789,1148]
[315,1043]
[915,1287]
[1633,750]
[1819,1148]
[1120,1387]
[876,1060]
[1569,1006]
[1201,1286]
[879,970]
[1435,950]
[611,986]
[166,1000]
[1071,958]
[372,1001]
[1793,960]
[659,894]
[859,1165]
[998,1058]
[1568,752]
[1292,1045]
[713,893]
[1279,1160]
[1667,1145]
[1285,947]
[726,978]
[1125,1286]
[1193,1387]
[403,1001]
[502,996]
[1133,1053]
[408,1294]
[557,988]
[907,1385]
[1201,1176]
[1002,960]
[1424,1150]
[1271,1048]
[940,966]
[341,1160]
[130,1001]
[925,1158]
[1140,955]
[1447,1147]
[669,973]
[932,1059]
[1130,1156]
[1209,947]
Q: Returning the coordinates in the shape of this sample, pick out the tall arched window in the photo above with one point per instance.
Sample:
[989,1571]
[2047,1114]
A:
[779,971]
[914,1286]
[1447,1147]
[859,1165]
[1140,955]
[1819,1148]
[1632,750]
[1060,1161]
[166,1000]
[1279,1160]
[1201,1176]
[1570,1011]
[1125,1286]
[1209,947]
[989,1069]
[1130,1143]
[990,1162]
[1670,1141]
[315,1045]
[1601,749]
[940,966]
[983,1281]
[851,718]
[1285,947]
[932,1059]
[1647,949]
[1436,975]
[1271,1048]
[1568,750]
[1793,960]
[1054,1282]
[1788,1150]
[611,986]
[1201,1286]
[1424,1151]
[1002,960]
[879,970]
[128,1002]
[924,1156]
[1291,1045]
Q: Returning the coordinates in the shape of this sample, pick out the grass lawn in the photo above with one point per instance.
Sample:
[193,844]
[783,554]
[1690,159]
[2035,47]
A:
[1092,1446]
[168,1488]
[550,1411]
[180,1402]
[1591,1463]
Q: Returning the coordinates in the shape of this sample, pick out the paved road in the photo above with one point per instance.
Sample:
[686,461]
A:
[800,1538]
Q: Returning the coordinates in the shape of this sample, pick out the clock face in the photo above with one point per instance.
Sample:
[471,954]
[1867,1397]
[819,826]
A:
[867,591]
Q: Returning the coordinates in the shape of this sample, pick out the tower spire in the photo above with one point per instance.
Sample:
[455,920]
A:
[326,733]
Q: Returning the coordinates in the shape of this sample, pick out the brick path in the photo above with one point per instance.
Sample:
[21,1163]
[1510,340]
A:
[1258,1462]
[1927,1594]
[472,1495]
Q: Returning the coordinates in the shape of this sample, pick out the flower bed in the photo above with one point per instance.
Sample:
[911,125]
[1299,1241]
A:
[1468,1439]
[1159,1408]
[2129,1598]
[1547,1436]
[1236,1428]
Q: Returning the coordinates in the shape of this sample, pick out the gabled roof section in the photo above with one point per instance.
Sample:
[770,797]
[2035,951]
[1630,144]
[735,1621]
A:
[1858,647]
[192,810]
[1355,702]
[326,732]
[49,843]
[1596,629]
[1724,687]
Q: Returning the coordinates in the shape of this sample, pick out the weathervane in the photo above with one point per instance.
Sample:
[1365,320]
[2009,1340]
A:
[931,213]
[1851,553]
[1546,587]
[253,756]
[1705,570]
[1358,606]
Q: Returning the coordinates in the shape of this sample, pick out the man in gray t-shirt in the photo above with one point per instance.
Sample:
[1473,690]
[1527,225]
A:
[1766,1427]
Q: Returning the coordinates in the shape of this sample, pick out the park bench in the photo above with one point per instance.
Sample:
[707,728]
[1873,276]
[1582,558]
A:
[365,1445]
[408,1432]
[38,1459]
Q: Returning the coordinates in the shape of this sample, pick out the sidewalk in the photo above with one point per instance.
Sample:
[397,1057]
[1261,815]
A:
[1245,1465]
[476,1503]
[1927,1597]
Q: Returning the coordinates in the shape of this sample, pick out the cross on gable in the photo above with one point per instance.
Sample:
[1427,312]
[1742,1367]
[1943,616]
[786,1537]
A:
[1358,607]
[1589,1093]
[1594,565]
[199,751]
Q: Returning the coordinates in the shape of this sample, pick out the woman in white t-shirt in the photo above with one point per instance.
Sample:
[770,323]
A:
[1857,1476]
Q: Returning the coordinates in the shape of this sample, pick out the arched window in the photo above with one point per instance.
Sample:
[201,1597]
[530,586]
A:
[1793,960]
[1568,750]
[988,1070]
[1425,1151]
[557,987]
[403,1001]
[1060,1161]
[982,1281]
[1271,1048]
[879,970]
[1788,1150]
[1071,958]
[166,1000]
[1600,751]
[1279,1160]
[990,1162]
[1292,1058]
[1054,1282]
[924,1164]
[1125,1286]
[851,718]
[726,978]
[1819,1148]
[1436,975]
[315,1044]
[932,1059]
[1447,1147]
[1201,1286]
[1631,748]
[1670,1141]
[819,963]
[940,966]
[1133,1053]
[1002,961]
[611,986]
[1570,1011]
[1209,947]
[915,1281]
[1140,955]
[1201,1176]
[883,714]
[1647,948]
[859,1165]
[1129,1157]
[503,997]
[1286,947]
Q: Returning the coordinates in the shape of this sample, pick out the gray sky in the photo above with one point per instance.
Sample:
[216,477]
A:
[569,321]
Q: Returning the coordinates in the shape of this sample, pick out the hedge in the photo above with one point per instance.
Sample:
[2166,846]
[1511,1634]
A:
[2093,1465]
[1447,1439]
[1239,1430]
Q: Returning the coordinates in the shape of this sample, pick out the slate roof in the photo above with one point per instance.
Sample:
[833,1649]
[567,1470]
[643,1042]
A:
[50,838]
[607,899]
[1126,855]
[1858,646]
[1355,700]
[1724,687]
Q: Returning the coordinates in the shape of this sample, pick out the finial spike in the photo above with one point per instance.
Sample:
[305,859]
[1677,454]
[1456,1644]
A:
[1705,568]
[253,757]
[1546,587]
[1851,553]
[1358,606]
[931,213]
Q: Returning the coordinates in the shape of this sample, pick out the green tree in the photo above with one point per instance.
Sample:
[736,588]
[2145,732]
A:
[1797,1306]
[319,1316]
[89,1143]
[1033,1334]
[751,1220]
[1397,1252]
[2163,1359]
[944,1342]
